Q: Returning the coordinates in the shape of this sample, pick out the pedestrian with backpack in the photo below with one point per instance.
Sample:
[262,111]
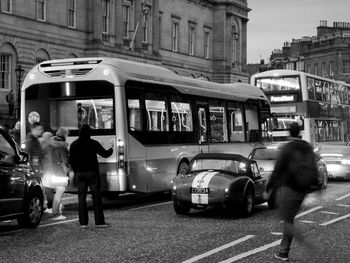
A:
[295,172]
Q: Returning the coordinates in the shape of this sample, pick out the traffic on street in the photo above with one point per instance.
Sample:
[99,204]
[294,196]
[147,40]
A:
[145,228]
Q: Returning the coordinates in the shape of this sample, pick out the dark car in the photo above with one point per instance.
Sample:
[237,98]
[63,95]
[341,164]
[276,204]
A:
[228,180]
[21,195]
[266,157]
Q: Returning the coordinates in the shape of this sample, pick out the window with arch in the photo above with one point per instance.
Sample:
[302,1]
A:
[235,46]
[41,56]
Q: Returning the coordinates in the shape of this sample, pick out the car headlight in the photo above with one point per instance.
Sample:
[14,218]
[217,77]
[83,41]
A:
[345,161]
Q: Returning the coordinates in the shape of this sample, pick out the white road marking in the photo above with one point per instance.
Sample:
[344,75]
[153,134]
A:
[343,205]
[277,233]
[307,221]
[330,213]
[211,252]
[342,197]
[309,211]
[59,222]
[252,252]
[147,206]
[335,220]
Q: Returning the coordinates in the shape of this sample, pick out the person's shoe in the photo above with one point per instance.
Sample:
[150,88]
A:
[83,226]
[103,225]
[60,217]
[48,211]
[282,256]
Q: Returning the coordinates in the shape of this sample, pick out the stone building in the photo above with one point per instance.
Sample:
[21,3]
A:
[327,54]
[198,38]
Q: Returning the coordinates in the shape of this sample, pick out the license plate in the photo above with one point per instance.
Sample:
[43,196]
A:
[199,199]
[199,190]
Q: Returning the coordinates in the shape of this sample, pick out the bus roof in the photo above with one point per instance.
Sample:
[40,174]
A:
[137,71]
[275,73]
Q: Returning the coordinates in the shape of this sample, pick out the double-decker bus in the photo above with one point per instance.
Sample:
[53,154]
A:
[158,119]
[320,105]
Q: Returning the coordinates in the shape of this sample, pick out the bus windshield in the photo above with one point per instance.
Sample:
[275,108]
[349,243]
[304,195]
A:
[71,104]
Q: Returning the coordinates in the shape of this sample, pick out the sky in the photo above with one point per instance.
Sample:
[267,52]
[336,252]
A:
[273,22]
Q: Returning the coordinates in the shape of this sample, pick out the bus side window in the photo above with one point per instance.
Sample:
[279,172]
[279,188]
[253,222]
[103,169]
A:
[135,116]
[181,117]
[252,123]
[157,115]
[236,124]
[202,124]
[218,124]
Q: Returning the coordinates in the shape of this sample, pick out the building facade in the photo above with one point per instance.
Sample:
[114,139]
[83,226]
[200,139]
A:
[327,54]
[195,38]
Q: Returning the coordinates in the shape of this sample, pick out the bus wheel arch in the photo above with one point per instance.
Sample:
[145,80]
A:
[183,166]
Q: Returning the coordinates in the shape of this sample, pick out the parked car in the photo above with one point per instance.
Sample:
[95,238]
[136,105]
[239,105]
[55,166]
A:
[228,180]
[337,159]
[266,157]
[21,194]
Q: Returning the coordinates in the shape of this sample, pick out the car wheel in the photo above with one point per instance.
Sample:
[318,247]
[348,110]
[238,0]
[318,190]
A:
[180,208]
[183,168]
[33,211]
[273,201]
[248,203]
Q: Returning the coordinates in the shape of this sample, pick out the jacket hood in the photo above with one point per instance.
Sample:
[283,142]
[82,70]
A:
[85,132]
[58,142]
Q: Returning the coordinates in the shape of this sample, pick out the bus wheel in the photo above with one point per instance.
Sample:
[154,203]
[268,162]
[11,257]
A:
[183,168]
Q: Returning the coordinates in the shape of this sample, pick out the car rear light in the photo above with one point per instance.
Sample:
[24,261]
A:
[121,154]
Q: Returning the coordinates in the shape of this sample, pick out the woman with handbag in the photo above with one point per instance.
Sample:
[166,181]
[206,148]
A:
[58,170]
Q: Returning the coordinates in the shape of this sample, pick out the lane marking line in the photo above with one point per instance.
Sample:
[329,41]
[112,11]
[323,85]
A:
[307,221]
[328,212]
[147,206]
[252,252]
[59,222]
[342,197]
[213,251]
[308,211]
[277,233]
[342,205]
[335,220]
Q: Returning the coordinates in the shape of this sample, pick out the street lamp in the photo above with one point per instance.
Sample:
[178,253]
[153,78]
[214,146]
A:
[19,75]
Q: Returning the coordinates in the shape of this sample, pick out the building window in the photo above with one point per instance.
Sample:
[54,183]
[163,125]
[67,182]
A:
[6,6]
[175,36]
[206,44]
[346,66]
[324,71]
[331,73]
[145,22]
[309,69]
[316,69]
[72,8]
[5,71]
[105,16]
[191,39]
[41,10]
[126,20]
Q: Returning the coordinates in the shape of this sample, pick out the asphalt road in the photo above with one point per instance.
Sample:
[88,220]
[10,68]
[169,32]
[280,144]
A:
[146,229]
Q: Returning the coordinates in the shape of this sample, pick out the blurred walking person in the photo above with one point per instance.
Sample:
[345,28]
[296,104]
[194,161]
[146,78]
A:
[295,172]
[83,160]
[56,170]
[49,190]
[33,147]
[16,133]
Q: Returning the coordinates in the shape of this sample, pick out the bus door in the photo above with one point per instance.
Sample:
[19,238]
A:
[202,111]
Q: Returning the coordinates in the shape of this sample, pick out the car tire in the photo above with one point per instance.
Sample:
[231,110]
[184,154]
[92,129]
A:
[248,203]
[33,210]
[180,208]
[273,201]
[183,168]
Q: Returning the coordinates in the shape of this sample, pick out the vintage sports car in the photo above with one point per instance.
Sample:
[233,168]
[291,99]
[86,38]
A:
[266,157]
[228,180]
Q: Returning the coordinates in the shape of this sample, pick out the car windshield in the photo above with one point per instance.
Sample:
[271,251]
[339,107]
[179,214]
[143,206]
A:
[216,164]
[265,154]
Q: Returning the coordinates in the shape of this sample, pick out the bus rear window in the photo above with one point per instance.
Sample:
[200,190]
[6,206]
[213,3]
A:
[278,84]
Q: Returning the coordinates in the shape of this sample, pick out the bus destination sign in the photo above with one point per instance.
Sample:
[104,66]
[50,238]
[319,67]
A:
[284,98]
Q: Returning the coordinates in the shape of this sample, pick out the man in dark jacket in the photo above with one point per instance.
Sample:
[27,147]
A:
[83,160]
[295,183]
[33,146]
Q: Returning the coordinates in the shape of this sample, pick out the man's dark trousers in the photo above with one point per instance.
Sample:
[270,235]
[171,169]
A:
[91,180]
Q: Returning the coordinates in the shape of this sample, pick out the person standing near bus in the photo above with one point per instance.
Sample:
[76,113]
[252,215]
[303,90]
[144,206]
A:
[295,172]
[83,160]
[33,147]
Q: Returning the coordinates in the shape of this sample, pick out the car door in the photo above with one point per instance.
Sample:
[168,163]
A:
[259,181]
[12,180]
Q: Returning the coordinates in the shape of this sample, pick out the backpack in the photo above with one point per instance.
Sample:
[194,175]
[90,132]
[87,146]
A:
[302,165]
